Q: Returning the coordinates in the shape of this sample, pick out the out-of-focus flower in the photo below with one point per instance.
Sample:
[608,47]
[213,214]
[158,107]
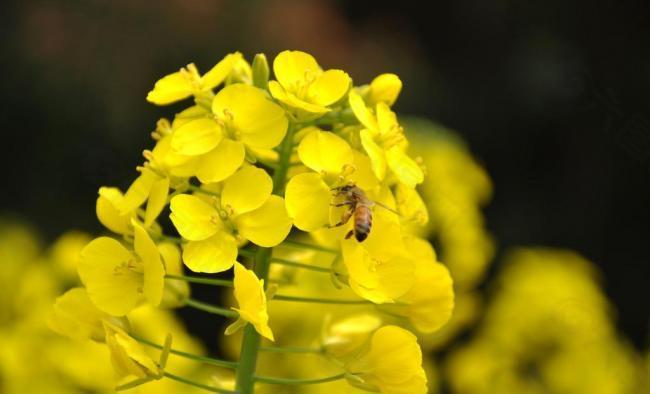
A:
[558,337]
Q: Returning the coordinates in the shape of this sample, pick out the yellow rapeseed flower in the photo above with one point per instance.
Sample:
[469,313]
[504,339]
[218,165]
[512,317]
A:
[117,278]
[385,88]
[392,364]
[379,269]
[304,87]
[430,302]
[342,338]
[108,212]
[127,355]
[76,317]
[383,140]
[245,211]
[251,300]
[242,117]
[186,82]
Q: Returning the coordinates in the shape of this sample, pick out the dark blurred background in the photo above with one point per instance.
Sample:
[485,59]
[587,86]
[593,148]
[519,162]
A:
[551,96]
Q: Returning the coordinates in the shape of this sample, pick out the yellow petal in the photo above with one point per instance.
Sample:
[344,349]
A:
[410,205]
[308,201]
[324,151]
[246,190]
[138,192]
[329,87]
[187,115]
[375,153]
[406,169]
[108,213]
[432,297]
[197,137]
[153,270]
[194,219]
[376,278]
[392,364]
[112,289]
[219,72]
[76,317]
[170,88]
[363,175]
[304,110]
[258,121]
[362,112]
[384,88]
[387,120]
[176,291]
[127,355]
[251,298]
[266,226]
[221,162]
[157,200]
[292,67]
[215,254]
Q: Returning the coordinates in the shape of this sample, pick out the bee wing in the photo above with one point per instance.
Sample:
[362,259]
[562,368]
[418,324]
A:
[386,207]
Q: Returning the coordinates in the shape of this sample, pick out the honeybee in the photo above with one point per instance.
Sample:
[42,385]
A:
[360,207]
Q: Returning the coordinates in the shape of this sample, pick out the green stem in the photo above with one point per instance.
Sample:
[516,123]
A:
[251,339]
[270,380]
[290,349]
[302,245]
[211,308]
[300,265]
[199,385]
[204,281]
[203,359]
[279,297]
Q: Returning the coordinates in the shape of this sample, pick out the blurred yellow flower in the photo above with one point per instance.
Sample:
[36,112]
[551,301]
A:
[76,317]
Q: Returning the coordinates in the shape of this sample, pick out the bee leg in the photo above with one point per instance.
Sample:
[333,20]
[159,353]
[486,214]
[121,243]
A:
[349,234]
[339,224]
[344,219]
[342,204]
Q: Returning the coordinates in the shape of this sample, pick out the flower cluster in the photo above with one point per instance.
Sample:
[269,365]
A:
[35,359]
[559,335]
[297,189]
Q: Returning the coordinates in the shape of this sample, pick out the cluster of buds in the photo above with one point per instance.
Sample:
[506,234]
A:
[303,188]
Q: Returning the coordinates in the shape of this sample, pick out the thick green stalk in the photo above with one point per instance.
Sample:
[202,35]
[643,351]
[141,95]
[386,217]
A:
[251,339]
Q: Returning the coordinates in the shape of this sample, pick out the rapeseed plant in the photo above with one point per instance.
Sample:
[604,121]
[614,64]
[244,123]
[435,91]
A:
[270,178]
